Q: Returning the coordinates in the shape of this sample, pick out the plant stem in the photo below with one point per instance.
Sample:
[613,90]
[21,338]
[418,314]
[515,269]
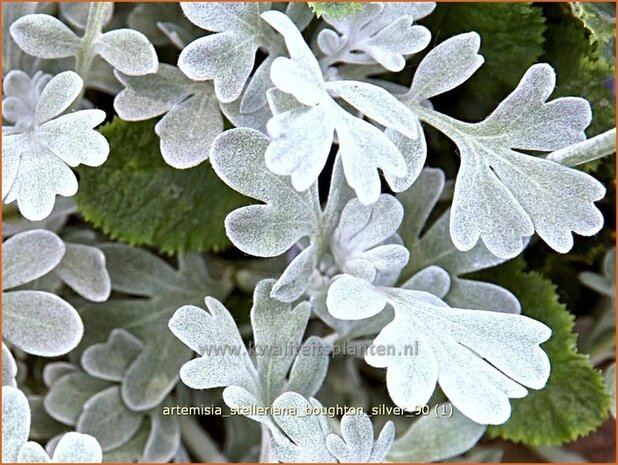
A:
[199,442]
[265,446]
[94,26]
[591,149]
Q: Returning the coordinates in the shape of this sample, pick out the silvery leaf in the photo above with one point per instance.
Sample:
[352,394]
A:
[304,162]
[38,152]
[503,196]
[9,367]
[456,348]
[293,281]
[30,255]
[109,360]
[164,439]
[82,268]
[76,447]
[351,329]
[360,242]
[435,257]
[42,426]
[15,422]
[289,215]
[129,51]
[68,394]
[105,416]
[434,439]
[300,14]
[383,444]
[72,447]
[310,366]
[381,33]
[53,371]
[96,406]
[132,451]
[146,97]
[63,208]
[40,323]
[254,96]
[228,55]
[262,230]
[356,441]
[188,130]
[343,302]
[414,152]
[213,334]
[179,36]
[138,272]
[44,36]
[256,120]
[32,452]
[56,96]
[301,136]
[306,433]
[277,327]
[458,59]
[225,362]
[432,279]
[239,398]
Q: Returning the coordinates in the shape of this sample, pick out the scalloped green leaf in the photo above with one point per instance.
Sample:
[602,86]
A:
[137,198]
[335,10]
[581,45]
[574,402]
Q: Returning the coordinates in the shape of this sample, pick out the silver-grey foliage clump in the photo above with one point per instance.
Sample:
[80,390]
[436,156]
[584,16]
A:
[359,266]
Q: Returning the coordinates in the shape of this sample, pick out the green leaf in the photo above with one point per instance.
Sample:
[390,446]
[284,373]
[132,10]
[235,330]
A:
[600,21]
[137,198]
[511,41]
[335,10]
[574,402]
[581,41]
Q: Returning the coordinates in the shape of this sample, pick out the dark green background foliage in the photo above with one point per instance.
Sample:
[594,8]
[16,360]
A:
[574,401]
[137,198]
[511,41]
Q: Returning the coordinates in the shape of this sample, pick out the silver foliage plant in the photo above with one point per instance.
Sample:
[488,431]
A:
[362,264]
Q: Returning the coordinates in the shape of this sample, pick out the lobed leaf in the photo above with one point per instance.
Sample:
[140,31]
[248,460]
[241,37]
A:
[436,265]
[261,230]
[379,33]
[495,180]
[480,359]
